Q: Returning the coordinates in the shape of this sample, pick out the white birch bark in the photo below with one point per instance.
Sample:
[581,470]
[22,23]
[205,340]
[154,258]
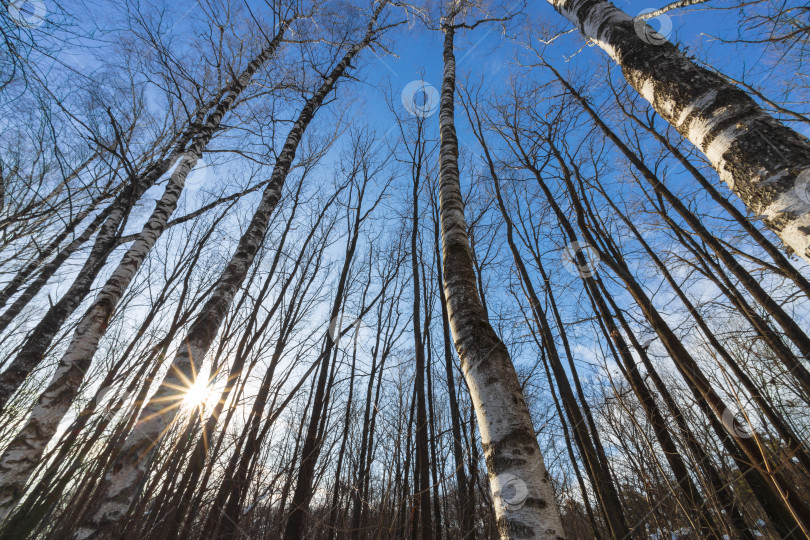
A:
[120,484]
[108,223]
[36,345]
[762,161]
[23,454]
[523,496]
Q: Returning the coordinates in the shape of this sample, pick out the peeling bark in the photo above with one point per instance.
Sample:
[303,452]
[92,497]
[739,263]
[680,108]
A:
[507,434]
[761,160]
[119,487]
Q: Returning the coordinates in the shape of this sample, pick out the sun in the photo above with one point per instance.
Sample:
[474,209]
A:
[198,394]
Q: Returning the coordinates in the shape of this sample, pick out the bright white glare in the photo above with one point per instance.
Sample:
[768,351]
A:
[198,394]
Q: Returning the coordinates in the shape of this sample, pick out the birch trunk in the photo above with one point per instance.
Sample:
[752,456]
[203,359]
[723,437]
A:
[120,484]
[40,339]
[790,327]
[762,161]
[524,498]
[108,224]
[23,454]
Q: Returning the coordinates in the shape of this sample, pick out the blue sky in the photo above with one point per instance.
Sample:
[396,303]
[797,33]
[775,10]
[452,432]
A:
[484,53]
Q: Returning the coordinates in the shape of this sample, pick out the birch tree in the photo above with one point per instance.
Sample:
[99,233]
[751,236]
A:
[761,160]
[507,432]
[22,454]
[118,489]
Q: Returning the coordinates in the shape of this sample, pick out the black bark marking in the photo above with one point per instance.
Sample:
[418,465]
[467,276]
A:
[499,464]
[535,503]
[514,528]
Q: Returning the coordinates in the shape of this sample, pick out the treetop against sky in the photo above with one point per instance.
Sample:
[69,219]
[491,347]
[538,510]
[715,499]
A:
[411,270]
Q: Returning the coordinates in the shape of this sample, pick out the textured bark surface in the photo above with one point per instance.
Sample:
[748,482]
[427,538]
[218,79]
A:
[120,485]
[762,161]
[40,339]
[465,495]
[522,493]
[22,455]
[24,452]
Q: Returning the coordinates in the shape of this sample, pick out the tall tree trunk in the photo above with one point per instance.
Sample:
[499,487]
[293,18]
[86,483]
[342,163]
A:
[466,510]
[119,485]
[788,324]
[37,343]
[762,161]
[333,513]
[422,468]
[23,453]
[507,433]
[109,224]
